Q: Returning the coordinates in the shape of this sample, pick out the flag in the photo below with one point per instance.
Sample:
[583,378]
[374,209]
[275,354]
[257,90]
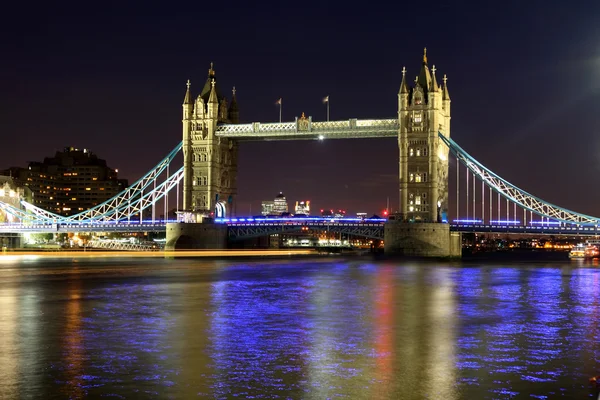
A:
[278,101]
[326,99]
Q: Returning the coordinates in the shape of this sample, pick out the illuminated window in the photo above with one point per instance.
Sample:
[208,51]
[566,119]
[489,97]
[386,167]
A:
[411,152]
[411,208]
[418,200]
[418,152]
[94,179]
[417,117]
[74,198]
[412,177]
[418,178]
[88,188]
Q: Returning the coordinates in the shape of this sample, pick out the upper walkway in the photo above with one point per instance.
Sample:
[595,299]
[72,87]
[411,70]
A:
[305,128]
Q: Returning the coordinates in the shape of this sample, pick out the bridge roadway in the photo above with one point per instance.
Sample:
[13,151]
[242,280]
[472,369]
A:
[244,228]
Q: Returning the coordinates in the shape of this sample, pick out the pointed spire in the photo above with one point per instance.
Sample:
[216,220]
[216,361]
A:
[234,105]
[446,95]
[188,96]
[434,85]
[424,75]
[403,87]
[213,93]
[234,114]
[205,93]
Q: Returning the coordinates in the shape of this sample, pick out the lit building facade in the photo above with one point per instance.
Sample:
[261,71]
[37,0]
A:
[12,194]
[70,182]
[423,111]
[302,207]
[280,205]
[267,207]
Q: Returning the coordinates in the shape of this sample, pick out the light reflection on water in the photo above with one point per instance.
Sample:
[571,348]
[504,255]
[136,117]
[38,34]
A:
[297,329]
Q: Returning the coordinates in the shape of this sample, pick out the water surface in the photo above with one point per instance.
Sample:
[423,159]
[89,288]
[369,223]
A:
[297,329]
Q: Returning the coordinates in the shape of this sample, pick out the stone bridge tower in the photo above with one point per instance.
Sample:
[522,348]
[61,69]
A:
[423,110]
[210,162]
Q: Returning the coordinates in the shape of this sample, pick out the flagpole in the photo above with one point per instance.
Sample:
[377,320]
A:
[327,108]
[280,110]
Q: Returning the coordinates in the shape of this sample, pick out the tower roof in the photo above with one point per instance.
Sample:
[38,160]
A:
[446,94]
[188,96]
[403,87]
[424,78]
[205,93]
[213,92]
[434,86]
[234,105]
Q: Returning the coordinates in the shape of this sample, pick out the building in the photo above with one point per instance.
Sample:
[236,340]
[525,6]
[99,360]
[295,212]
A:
[70,182]
[267,207]
[210,163]
[12,194]
[302,208]
[280,205]
[423,111]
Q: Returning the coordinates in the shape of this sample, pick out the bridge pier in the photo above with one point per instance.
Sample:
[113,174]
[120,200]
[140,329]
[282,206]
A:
[196,236]
[421,239]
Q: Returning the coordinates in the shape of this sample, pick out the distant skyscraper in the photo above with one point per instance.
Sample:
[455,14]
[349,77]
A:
[281,205]
[303,207]
[267,207]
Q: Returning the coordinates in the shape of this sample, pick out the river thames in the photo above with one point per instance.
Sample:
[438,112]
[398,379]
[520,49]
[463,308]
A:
[297,329]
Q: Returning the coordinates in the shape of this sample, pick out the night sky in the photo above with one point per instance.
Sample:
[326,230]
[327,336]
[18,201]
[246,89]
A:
[524,79]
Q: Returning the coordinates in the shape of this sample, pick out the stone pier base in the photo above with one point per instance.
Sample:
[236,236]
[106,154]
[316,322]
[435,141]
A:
[421,240]
[196,236]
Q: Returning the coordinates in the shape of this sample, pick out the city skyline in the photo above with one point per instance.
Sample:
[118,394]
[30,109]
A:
[523,93]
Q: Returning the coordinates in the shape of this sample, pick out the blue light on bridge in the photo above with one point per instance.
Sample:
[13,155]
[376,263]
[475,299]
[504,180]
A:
[467,221]
[299,219]
[544,222]
[506,222]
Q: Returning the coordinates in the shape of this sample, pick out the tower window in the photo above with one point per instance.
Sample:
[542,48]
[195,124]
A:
[417,118]
[411,152]
[418,152]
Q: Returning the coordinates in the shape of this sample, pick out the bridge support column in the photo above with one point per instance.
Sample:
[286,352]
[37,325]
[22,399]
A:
[196,236]
[421,240]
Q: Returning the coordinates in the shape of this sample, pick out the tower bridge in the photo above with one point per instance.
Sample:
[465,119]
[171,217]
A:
[206,184]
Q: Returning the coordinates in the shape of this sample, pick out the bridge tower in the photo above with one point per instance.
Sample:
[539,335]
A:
[423,110]
[210,162]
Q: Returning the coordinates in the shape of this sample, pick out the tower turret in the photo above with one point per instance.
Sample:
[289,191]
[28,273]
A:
[403,92]
[188,105]
[234,113]
[424,77]
[213,102]
[446,94]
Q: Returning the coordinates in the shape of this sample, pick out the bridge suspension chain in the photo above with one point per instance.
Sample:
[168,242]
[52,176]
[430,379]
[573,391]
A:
[512,193]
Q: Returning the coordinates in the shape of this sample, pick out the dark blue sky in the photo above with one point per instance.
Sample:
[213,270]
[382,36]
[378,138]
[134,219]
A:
[524,79]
